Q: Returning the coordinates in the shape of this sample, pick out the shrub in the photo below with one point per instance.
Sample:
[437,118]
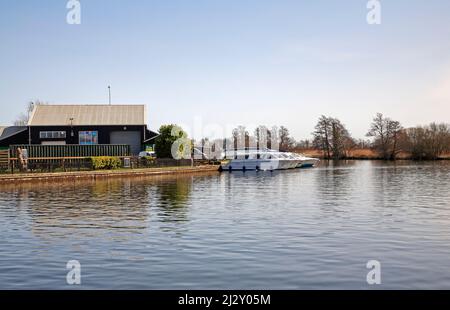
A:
[147,161]
[168,136]
[106,162]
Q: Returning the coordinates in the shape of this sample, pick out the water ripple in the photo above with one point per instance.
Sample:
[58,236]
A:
[310,229]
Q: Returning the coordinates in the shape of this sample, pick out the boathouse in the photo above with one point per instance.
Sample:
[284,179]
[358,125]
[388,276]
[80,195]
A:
[82,125]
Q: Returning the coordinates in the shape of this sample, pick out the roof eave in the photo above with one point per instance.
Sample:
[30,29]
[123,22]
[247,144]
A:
[14,133]
[30,119]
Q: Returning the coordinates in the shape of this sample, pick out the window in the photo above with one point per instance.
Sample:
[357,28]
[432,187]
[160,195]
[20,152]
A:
[88,137]
[52,134]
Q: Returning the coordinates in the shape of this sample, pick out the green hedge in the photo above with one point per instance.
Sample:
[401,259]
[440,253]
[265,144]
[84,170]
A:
[106,162]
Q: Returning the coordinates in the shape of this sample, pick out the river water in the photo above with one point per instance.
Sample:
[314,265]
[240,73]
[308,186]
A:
[304,229]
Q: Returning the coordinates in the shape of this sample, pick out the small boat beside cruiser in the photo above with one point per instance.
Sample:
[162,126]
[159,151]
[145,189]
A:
[265,159]
[305,162]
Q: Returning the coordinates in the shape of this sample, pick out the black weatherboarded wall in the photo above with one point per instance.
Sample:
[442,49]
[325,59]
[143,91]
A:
[19,138]
[104,134]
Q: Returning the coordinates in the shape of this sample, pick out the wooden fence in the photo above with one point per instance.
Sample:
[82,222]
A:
[72,150]
[48,158]
[60,164]
[4,159]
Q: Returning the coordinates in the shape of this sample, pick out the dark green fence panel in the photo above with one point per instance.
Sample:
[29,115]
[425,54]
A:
[51,151]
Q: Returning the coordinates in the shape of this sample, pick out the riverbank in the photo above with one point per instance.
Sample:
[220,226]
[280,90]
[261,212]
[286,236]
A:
[364,154]
[102,174]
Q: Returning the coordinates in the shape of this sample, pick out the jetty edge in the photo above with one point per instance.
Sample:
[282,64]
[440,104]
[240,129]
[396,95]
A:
[102,174]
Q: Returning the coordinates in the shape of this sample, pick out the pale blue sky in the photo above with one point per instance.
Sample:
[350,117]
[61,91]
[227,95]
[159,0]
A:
[235,61]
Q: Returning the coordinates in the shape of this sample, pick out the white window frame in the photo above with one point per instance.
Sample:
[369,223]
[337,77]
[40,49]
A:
[57,134]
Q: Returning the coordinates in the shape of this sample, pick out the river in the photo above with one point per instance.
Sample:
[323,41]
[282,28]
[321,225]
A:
[301,229]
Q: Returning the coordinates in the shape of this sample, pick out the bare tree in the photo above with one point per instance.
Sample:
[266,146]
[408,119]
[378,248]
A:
[240,137]
[274,140]
[341,140]
[362,143]
[285,141]
[332,137]
[394,130]
[262,137]
[439,139]
[303,144]
[322,136]
[205,147]
[428,142]
[386,133]
[23,118]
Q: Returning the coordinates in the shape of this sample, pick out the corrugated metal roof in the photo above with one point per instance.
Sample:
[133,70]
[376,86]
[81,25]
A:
[82,115]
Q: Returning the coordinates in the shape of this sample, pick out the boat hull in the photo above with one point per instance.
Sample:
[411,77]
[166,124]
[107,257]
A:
[258,164]
[266,160]
[307,163]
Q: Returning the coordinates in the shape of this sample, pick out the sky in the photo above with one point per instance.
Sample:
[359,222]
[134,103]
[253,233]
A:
[210,65]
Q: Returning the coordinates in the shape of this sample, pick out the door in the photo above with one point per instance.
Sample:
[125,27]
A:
[132,138]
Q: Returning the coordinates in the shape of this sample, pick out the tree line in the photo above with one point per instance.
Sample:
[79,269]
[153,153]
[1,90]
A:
[388,138]
[385,136]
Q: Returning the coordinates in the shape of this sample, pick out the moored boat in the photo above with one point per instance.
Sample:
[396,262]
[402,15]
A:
[306,162]
[264,159]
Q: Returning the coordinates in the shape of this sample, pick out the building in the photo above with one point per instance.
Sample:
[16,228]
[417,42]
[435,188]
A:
[83,125]
[13,135]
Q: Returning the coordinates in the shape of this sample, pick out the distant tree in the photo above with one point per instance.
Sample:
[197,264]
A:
[416,142]
[341,140]
[378,129]
[258,137]
[303,144]
[218,146]
[394,130]
[273,140]
[386,134]
[23,118]
[285,141]
[332,137]
[168,136]
[205,147]
[428,142]
[322,134]
[262,135]
[362,143]
[439,135]
[240,137]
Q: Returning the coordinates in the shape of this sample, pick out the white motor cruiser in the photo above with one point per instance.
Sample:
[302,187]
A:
[264,159]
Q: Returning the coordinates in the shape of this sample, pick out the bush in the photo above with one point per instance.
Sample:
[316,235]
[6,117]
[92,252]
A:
[148,161]
[106,162]
[168,136]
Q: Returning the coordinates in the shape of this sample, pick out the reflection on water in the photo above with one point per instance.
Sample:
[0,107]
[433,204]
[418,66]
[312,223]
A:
[94,208]
[313,228]
[172,200]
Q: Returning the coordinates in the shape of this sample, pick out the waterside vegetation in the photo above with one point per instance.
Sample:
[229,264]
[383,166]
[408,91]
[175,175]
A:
[386,139]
